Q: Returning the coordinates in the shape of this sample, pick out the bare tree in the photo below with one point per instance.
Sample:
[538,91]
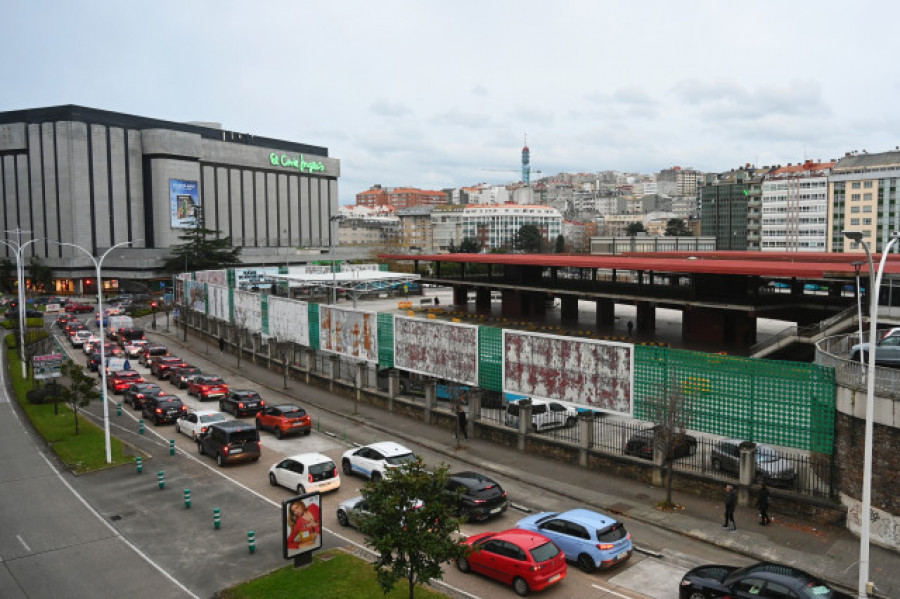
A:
[670,411]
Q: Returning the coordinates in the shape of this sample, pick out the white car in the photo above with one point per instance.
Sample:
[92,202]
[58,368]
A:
[372,461]
[134,348]
[80,337]
[545,415]
[306,473]
[194,422]
[89,344]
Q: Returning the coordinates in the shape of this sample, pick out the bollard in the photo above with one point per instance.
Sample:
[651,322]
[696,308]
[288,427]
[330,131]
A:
[139,463]
[217,518]
[171,446]
[161,477]
[319,424]
[187,498]
[118,408]
[141,426]
[251,541]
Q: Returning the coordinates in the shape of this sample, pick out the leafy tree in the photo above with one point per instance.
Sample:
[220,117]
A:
[411,543]
[529,239]
[634,228]
[203,249]
[468,245]
[670,411]
[80,391]
[675,227]
[41,275]
[560,244]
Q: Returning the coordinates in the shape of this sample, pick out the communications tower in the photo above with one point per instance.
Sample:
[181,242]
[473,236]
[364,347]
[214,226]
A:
[526,163]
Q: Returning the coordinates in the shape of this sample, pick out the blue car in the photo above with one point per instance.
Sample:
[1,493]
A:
[590,539]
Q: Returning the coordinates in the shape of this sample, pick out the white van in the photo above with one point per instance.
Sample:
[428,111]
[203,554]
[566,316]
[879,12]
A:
[118,322]
[544,415]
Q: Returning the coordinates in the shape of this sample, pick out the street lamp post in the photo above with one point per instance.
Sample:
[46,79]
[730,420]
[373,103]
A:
[856,266]
[19,249]
[336,218]
[98,263]
[865,512]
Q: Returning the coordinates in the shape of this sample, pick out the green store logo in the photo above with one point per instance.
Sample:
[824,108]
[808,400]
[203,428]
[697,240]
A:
[298,163]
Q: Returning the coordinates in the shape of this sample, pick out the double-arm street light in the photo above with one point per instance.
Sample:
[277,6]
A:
[19,249]
[865,512]
[98,263]
[336,218]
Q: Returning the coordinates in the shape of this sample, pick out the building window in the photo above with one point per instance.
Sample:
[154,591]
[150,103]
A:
[854,185]
[854,221]
[867,197]
[855,209]
[866,208]
[867,184]
[854,197]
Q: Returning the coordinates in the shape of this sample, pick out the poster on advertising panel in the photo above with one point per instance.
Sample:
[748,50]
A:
[351,333]
[444,350]
[301,521]
[593,374]
[289,320]
[184,198]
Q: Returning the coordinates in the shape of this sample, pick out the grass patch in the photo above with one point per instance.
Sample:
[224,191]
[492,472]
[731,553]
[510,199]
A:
[339,574]
[83,452]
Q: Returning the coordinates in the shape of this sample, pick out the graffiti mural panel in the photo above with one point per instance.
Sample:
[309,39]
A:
[248,310]
[218,302]
[440,349]
[289,320]
[348,332]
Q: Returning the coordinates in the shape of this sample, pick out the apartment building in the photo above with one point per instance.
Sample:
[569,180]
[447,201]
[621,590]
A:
[497,226]
[400,197]
[795,208]
[416,233]
[730,207]
[862,196]
[446,224]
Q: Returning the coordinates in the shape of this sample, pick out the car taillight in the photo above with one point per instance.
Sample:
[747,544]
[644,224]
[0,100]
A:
[262,402]
[184,408]
[605,546]
[159,410]
[225,449]
[202,429]
[310,478]
[334,471]
[477,501]
[241,405]
[503,495]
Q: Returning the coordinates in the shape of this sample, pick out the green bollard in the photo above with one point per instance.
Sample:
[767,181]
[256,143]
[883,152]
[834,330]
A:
[171,446]
[139,463]
[251,541]
[118,408]
[187,498]
[161,477]
[217,518]
[141,426]
[319,425]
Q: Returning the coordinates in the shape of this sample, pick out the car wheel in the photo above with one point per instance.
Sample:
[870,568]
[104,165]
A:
[463,565]
[301,490]
[345,465]
[177,428]
[343,520]
[221,406]
[272,480]
[258,425]
[194,435]
[307,432]
[376,476]
[520,586]
[200,448]
[219,461]
[716,464]
[697,595]
[571,421]
[586,563]
[278,433]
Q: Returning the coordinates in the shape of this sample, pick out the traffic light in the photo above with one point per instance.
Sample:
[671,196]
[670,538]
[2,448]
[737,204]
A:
[153,306]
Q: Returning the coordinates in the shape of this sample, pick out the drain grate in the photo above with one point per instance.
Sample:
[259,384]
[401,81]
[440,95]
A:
[115,518]
[619,508]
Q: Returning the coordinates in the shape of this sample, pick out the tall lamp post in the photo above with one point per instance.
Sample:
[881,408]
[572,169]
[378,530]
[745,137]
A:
[866,511]
[19,249]
[856,266]
[98,263]
[336,218]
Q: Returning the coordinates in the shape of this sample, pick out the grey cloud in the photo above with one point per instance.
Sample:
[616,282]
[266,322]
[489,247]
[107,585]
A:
[389,109]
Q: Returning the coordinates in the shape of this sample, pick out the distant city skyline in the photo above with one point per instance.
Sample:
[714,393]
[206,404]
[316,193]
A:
[595,86]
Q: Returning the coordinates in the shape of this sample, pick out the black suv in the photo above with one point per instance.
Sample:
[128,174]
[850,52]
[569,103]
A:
[179,375]
[163,364]
[162,409]
[230,441]
[642,442]
[138,393]
[480,497]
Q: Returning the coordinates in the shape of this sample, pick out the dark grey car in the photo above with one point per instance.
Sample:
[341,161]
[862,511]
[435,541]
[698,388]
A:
[887,351]
[770,466]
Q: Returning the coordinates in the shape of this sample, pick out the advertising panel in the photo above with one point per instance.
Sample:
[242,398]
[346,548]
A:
[184,198]
[352,333]
[289,320]
[444,350]
[595,374]
[218,303]
[301,520]
[47,366]
[248,310]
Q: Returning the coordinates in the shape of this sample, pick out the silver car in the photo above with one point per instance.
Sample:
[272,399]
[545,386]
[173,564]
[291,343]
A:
[887,351]
[350,511]
[771,467]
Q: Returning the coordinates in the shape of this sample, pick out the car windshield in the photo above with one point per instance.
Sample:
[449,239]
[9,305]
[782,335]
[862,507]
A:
[322,468]
[213,380]
[544,552]
[205,418]
[294,412]
[400,459]
[766,454]
[611,534]
[244,436]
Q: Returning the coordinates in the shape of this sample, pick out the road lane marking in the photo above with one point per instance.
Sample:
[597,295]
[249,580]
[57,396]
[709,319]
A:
[612,592]
[24,544]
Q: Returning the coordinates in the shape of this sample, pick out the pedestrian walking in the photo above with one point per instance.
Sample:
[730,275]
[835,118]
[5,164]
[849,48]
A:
[762,502]
[630,328]
[730,503]
[462,421]
[221,345]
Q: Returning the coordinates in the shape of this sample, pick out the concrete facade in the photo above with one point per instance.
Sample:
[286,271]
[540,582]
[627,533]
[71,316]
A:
[97,178]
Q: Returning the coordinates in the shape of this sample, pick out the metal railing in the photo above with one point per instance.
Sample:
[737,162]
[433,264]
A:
[835,352]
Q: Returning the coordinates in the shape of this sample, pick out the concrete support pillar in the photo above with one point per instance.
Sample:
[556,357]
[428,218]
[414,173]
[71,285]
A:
[568,308]
[358,379]
[524,422]
[474,412]
[306,363]
[659,459]
[483,299]
[335,363]
[585,436]
[646,317]
[747,472]
[460,295]
[606,312]
[430,400]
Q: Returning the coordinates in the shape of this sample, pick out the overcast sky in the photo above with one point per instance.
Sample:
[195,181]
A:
[431,94]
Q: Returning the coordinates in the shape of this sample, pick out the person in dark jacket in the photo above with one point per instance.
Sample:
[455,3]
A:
[762,502]
[730,503]
[221,344]
[462,421]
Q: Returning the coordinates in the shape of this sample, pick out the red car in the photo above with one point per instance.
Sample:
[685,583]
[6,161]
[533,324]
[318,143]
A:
[76,308]
[207,387]
[122,379]
[284,420]
[526,560]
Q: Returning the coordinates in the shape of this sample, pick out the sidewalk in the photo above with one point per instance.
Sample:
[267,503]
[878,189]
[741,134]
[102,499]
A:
[829,552]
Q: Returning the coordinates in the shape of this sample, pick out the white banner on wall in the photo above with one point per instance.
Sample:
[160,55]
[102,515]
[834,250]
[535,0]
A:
[289,320]
[218,303]
[594,374]
[444,350]
[247,310]
[348,332]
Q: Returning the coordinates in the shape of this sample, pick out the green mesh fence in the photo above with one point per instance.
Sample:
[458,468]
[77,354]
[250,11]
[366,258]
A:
[314,326]
[385,340]
[766,401]
[231,304]
[264,313]
[490,358]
